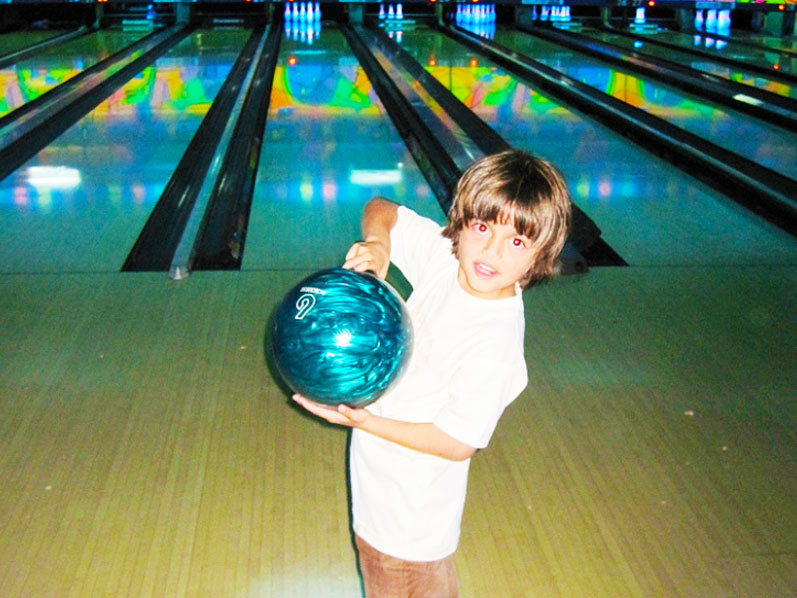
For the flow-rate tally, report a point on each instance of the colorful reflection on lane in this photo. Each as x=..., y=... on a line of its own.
x=34, y=76
x=766, y=144
x=329, y=147
x=80, y=203
x=676, y=220
x=166, y=99
x=318, y=90
x=699, y=64
x=527, y=118
x=769, y=59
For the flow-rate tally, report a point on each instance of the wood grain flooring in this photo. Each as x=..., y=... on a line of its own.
x=147, y=450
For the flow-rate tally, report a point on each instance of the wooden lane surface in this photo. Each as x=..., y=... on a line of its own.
x=146, y=450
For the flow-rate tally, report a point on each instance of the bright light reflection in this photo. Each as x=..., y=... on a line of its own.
x=329, y=190
x=21, y=198
x=604, y=189
x=139, y=193
x=740, y=97
x=306, y=191
x=45, y=200
x=367, y=178
x=343, y=338
x=53, y=177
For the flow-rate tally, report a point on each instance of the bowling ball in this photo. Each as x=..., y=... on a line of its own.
x=341, y=336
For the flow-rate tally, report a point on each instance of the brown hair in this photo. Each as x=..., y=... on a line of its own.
x=518, y=188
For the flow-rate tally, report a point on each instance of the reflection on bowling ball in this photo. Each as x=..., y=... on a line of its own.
x=341, y=337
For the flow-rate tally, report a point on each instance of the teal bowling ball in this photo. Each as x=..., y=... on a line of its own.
x=341, y=336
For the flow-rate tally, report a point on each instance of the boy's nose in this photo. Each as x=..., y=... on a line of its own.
x=491, y=246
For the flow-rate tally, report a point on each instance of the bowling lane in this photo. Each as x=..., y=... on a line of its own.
x=79, y=205
x=650, y=212
x=329, y=146
x=14, y=41
x=701, y=63
x=774, y=42
x=766, y=144
x=37, y=74
x=726, y=46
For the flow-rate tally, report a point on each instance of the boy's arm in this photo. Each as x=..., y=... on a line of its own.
x=373, y=252
x=423, y=437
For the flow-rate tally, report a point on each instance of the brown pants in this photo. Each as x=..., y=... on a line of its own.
x=388, y=577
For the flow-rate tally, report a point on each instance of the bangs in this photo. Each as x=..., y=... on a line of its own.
x=493, y=207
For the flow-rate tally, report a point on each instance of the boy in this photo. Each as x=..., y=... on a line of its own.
x=411, y=449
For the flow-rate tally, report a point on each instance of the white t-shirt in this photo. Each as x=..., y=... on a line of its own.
x=466, y=366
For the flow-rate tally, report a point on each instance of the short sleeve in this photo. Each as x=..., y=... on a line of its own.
x=483, y=386
x=416, y=242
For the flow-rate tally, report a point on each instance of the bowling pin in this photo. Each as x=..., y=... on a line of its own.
x=724, y=22
x=399, y=11
x=287, y=11
x=639, y=19
x=310, y=12
x=711, y=20
x=391, y=12
x=699, y=18
x=317, y=12
x=302, y=11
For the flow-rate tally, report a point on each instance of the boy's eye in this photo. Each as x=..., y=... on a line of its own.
x=480, y=227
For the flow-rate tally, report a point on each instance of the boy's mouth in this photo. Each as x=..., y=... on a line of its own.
x=483, y=270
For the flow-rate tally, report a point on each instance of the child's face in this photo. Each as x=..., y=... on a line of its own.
x=492, y=258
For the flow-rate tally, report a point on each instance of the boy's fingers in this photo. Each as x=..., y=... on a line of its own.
x=354, y=250
x=333, y=415
x=358, y=264
x=357, y=255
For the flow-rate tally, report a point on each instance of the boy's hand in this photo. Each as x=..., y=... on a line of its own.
x=423, y=437
x=368, y=255
x=340, y=415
